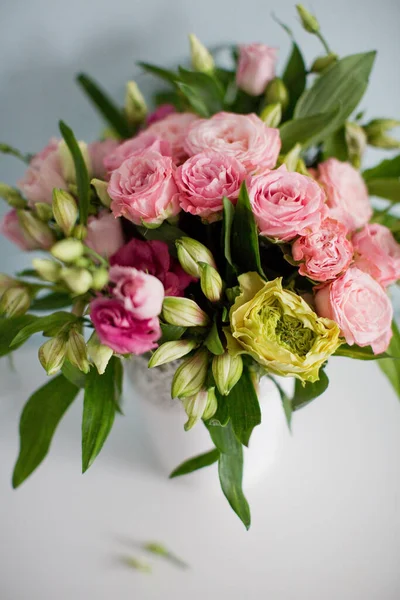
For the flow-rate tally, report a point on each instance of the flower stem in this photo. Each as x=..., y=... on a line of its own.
x=323, y=42
x=97, y=256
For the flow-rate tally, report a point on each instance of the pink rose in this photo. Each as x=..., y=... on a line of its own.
x=153, y=258
x=160, y=113
x=326, y=252
x=141, y=293
x=377, y=253
x=360, y=307
x=347, y=194
x=143, y=141
x=256, y=67
x=143, y=189
x=98, y=151
x=104, y=234
x=286, y=204
x=43, y=175
x=173, y=129
x=205, y=179
x=12, y=230
x=244, y=137
x=119, y=329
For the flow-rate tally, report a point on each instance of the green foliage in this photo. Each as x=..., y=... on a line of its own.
x=9, y=329
x=53, y=300
x=391, y=366
x=49, y=325
x=243, y=408
x=196, y=463
x=307, y=130
x=305, y=393
x=359, y=353
x=294, y=77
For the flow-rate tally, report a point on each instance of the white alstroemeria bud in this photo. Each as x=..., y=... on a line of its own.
x=12, y=196
x=49, y=270
x=277, y=93
x=15, y=301
x=76, y=351
x=292, y=158
x=227, y=371
x=210, y=282
x=52, y=354
x=202, y=405
x=135, y=104
x=201, y=58
x=65, y=210
x=184, y=312
x=43, y=211
x=190, y=376
x=67, y=162
x=100, y=278
x=78, y=280
x=98, y=353
x=6, y=282
x=79, y=232
x=308, y=20
x=356, y=140
x=35, y=228
x=101, y=191
x=68, y=250
x=272, y=114
x=190, y=253
x=170, y=351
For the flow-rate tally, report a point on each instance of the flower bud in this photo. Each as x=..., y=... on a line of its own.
x=356, y=141
x=184, y=312
x=65, y=210
x=35, y=228
x=15, y=301
x=79, y=232
x=227, y=371
x=68, y=250
x=272, y=114
x=52, y=354
x=12, y=196
x=376, y=131
x=308, y=20
x=292, y=158
x=78, y=280
x=135, y=104
x=98, y=353
x=6, y=282
x=190, y=253
x=100, y=278
x=202, y=405
x=83, y=261
x=323, y=62
x=170, y=351
x=43, y=211
x=201, y=58
x=276, y=92
x=49, y=270
x=67, y=162
x=210, y=282
x=190, y=376
x=101, y=191
x=76, y=351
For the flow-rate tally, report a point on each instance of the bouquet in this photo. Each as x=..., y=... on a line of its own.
x=230, y=230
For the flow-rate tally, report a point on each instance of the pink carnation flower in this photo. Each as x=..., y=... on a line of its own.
x=377, y=253
x=173, y=129
x=133, y=146
x=141, y=293
x=43, y=175
x=104, y=234
x=256, y=68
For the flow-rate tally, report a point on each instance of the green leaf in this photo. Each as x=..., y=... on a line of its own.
x=307, y=130
x=229, y=212
x=99, y=407
x=294, y=77
x=335, y=145
x=206, y=87
x=195, y=101
x=244, y=240
x=213, y=341
x=286, y=403
x=9, y=328
x=170, y=333
x=244, y=408
x=196, y=463
x=359, y=353
x=385, y=170
x=39, y=420
x=82, y=175
x=50, y=325
x=52, y=301
x=304, y=394
x=106, y=107
x=342, y=84
x=390, y=366
x=230, y=469
x=73, y=374
x=221, y=416
x=385, y=188
x=165, y=233
x=165, y=74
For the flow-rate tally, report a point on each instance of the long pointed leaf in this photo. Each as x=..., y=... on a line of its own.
x=244, y=241
x=196, y=463
x=391, y=366
x=244, y=408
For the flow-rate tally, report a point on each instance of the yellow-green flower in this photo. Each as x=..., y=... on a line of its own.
x=279, y=329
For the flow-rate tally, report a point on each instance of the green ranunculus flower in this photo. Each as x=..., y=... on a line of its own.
x=279, y=329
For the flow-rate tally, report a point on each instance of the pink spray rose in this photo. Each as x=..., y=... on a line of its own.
x=204, y=179
x=153, y=258
x=160, y=113
x=141, y=293
x=256, y=67
x=173, y=129
x=133, y=146
x=104, y=234
x=98, y=152
x=377, y=253
x=143, y=189
x=12, y=230
x=244, y=137
x=286, y=204
x=361, y=308
x=43, y=175
x=326, y=252
x=347, y=194
x=119, y=329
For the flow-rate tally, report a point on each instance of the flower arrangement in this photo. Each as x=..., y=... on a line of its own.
x=230, y=229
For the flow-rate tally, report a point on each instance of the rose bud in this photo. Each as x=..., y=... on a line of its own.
x=256, y=67
x=308, y=20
